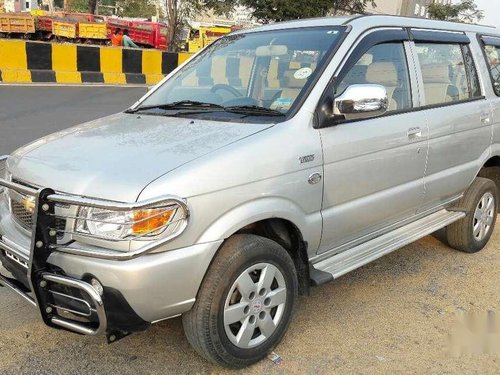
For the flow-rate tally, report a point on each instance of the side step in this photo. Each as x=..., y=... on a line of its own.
x=358, y=256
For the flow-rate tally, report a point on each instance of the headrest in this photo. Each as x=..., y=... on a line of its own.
x=436, y=73
x=291, y=82
x=383, y=73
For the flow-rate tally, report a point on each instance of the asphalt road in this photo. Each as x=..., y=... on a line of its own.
x=393, y=316
x=29, y=112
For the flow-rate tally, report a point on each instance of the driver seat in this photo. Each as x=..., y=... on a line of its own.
x=290, y=91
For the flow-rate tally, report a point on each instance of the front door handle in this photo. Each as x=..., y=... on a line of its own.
x=414, y=133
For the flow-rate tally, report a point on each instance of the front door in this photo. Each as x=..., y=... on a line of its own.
x=374, y=168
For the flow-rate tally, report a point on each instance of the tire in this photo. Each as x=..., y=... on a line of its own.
x=208, y=324
x=464, y=234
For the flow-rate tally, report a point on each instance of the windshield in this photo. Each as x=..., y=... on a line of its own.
x=253, y=74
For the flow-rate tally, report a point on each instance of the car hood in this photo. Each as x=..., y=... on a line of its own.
x=116, y=157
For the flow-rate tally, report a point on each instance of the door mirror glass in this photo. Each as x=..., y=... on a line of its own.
x=361, y=102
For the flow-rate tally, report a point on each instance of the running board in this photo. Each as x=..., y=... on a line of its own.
x=349, y=260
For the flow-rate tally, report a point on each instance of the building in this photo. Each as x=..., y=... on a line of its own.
x=409, y=8
x=241, y=16
x=20, y=5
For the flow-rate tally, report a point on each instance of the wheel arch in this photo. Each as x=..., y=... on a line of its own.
x=277, y=219
x=491, y=170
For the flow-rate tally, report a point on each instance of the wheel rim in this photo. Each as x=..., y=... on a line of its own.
x=484, y=217
x=255, y=305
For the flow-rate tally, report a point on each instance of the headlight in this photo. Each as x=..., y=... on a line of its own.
x=140, y=224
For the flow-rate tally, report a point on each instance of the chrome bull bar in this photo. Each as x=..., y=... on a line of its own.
x=59, y=321
x=44, y=242
x=41, y=281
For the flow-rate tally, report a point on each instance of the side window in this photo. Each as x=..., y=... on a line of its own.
x=448, y=73
x=493, y=60
x=386, y=65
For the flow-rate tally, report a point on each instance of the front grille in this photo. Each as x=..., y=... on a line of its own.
x=21, y=214
x=24, y=217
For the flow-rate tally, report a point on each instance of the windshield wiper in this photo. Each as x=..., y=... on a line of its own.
x=253, y=110
x=181, y=104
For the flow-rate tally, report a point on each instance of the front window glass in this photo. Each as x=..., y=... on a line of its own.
x=267, y=71
x=385, y=65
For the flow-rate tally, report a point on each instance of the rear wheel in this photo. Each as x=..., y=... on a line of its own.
x=245, y=304
x=472, y=233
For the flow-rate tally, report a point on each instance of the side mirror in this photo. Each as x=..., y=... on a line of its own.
x=360, y=102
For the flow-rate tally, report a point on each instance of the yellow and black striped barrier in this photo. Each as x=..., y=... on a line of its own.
x=26, y=61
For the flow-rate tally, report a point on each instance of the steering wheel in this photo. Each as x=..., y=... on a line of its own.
x=223, y=86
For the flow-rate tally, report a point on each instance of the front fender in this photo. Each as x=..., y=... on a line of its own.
x=310, y=225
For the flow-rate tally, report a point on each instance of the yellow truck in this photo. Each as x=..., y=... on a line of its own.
x=200, y=37
x=17, y=23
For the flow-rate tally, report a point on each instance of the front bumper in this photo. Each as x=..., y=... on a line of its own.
x=139, y=288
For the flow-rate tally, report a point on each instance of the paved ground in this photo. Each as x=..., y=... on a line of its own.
x=390, y=317
x=28, y=112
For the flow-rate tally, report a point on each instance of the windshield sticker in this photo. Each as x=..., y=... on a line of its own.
x=282, y=103
x=302, y=73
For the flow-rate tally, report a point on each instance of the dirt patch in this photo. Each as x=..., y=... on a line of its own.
x=392, y=316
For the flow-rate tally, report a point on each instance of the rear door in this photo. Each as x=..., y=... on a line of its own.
x=457, y=112
x=491, y=49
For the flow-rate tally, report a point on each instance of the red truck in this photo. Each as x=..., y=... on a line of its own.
x=143, y=33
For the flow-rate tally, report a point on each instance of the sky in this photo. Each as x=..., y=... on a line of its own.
x=491, y=10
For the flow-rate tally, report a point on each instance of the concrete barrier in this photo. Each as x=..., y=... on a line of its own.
x=27, y=61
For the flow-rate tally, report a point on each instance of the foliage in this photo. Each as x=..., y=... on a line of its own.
x=137, y=8
x=81, y=6
x=464, y=11
x=283, y=10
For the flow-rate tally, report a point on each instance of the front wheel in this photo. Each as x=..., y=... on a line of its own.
x=472, y=233
x=245, y=304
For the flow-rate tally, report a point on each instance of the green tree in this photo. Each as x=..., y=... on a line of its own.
x=464, y=11
x=137, y=8
x=283, y=10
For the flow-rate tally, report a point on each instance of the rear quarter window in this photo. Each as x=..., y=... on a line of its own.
x=492, y=54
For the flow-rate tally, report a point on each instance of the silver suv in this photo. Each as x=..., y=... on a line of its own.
x=275, y=159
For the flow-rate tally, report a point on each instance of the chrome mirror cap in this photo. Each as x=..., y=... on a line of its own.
x=361, y=102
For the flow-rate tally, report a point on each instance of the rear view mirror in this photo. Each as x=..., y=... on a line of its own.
x=361, y=102
x=270, y=51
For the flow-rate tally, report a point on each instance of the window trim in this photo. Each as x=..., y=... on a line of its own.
x=474, y=66
x=449, y=104
x=483, y=41
x=438, y=37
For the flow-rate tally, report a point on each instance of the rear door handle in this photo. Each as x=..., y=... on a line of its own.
x=485, y=118
x=414, y=133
